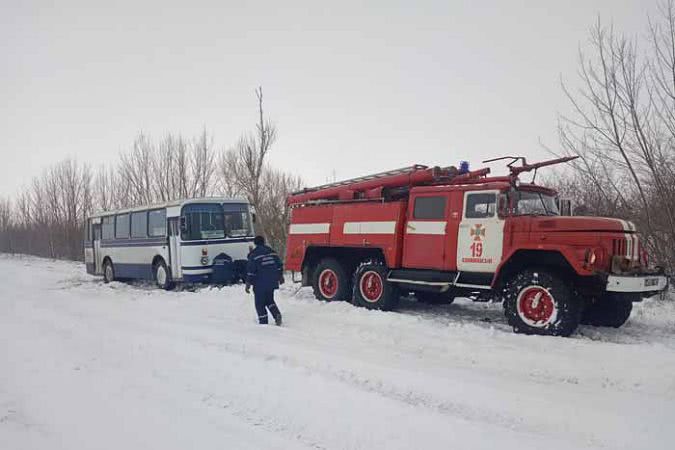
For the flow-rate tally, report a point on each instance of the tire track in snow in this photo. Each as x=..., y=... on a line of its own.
x=428, y=401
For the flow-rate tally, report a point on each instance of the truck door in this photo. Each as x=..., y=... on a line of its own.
x=480, y=238
x=425, y=232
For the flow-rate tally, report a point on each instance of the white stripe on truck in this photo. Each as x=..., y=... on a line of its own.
x=418, y=227
x=369, y=227
x=309, y=228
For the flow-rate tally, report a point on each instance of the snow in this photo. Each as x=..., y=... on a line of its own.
x=84, y=365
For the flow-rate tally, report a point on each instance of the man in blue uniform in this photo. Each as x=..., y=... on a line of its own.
x=265, y=273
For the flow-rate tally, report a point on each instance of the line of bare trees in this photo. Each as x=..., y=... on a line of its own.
x=622, y=125
x=47, y=217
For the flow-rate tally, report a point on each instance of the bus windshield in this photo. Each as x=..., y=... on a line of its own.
x=237, y=220
x=203, y=221
x=216, y=221
x=535, y=203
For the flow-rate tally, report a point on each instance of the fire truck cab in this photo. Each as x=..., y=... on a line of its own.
x=442, y=233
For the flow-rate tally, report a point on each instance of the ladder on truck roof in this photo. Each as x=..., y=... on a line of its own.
x=371, y=187
x=375, y=176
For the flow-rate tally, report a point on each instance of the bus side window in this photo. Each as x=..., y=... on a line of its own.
x=139, y=224
x=157, y=223
x=122, y=226
x=108, y=228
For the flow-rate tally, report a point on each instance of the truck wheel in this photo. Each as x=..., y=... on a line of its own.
x=435, y=298
x=162, y=275
x=610, y=310
x=539, y=302
x=331, y=281
x=372, y=290
x=108, y=271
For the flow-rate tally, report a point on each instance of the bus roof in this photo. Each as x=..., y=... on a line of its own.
x=179, y=203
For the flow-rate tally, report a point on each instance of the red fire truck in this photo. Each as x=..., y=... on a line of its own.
x=443, y=232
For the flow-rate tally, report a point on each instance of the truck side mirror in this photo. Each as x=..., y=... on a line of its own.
x=565, y=206
x=183, y=224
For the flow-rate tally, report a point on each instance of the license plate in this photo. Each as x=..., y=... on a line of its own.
x=649, y=282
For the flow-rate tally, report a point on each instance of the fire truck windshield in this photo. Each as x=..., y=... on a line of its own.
x=535, y=203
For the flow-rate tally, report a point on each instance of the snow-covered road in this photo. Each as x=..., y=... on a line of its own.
x=85, y=365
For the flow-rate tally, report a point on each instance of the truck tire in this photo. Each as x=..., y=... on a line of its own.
x=331, y=281
x=610, y=310
x=539, y=302
x=162, y=275
x=435, y=298
x=371, y=288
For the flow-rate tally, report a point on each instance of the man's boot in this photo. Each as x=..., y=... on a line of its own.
x=274, y=309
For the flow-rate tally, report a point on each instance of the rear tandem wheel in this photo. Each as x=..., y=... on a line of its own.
x=371, y=288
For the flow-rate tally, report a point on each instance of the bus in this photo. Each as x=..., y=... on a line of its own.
x=170, y=243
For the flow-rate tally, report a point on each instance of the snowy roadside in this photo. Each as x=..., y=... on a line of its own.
x=88, y=365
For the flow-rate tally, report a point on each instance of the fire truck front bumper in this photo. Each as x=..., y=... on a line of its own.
x=637, y=283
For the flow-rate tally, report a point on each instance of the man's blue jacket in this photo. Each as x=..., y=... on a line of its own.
x=264, y=269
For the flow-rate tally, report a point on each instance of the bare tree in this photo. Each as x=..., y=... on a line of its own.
x=245, y=163
x=623, y=127
x=273, y=209
x=136, y=172
x=228, y=184
x=166, y=187
x=244, y=171
x=49, y=216
x=6, y=223
x=203, y=165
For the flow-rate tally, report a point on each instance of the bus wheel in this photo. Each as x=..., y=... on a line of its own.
x=539, y=302
x=371, y=288
x=610, y=310
x=162, y=275
x=108, y=271
x=331, y=281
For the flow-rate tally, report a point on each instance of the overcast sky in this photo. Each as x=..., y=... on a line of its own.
x=353, y=87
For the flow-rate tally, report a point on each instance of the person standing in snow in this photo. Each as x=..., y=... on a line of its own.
x=264, y=272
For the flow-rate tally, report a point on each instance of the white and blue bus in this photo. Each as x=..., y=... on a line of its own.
x=171, y=243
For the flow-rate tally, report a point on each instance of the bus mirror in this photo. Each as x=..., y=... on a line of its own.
x=253, y=217
x=183, y=224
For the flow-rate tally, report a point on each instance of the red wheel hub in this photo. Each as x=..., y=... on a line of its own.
x=328, y=283
x=536, y=306
x=371, y=286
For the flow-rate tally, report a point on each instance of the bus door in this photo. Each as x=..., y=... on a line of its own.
x=96, y=236
x=174, y=248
